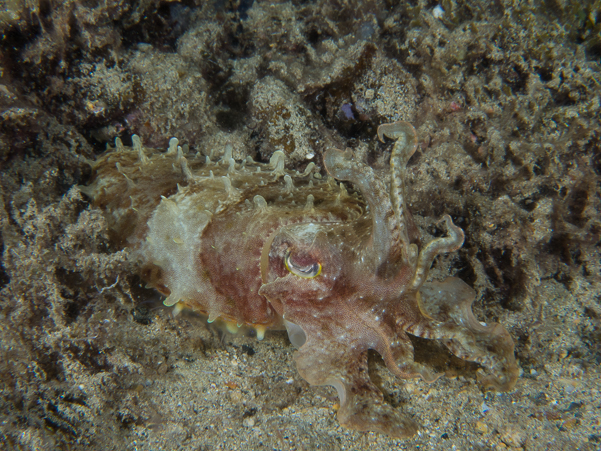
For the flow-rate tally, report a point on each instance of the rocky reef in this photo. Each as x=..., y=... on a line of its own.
x=505, y=98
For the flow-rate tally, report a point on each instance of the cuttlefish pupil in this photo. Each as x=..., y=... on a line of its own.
x=305, y=268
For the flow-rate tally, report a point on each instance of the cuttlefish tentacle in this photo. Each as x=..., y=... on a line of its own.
x=390, y=237
x=404, y=147
x=342, y=166
x=438, y=246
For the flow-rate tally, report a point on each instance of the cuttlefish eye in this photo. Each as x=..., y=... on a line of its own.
x=302, y=265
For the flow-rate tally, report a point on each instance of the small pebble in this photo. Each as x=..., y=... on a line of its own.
x=481, y=427
x=163, y=368
x=438, y=12
x=513, y=436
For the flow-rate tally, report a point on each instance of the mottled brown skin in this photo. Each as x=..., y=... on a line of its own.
x=343, y=272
